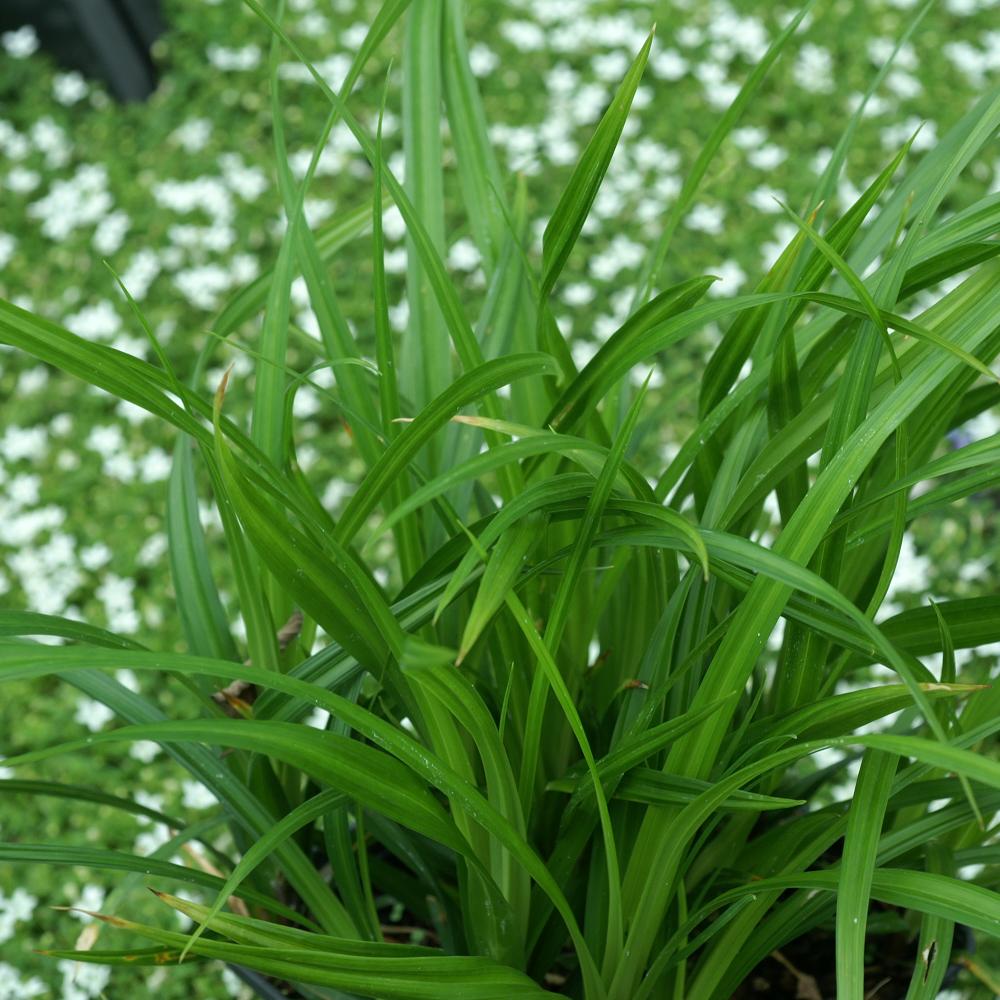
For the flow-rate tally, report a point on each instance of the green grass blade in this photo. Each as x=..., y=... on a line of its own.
x=571, y=212
x=864, y=827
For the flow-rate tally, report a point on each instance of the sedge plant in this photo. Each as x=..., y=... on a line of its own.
x=638, y=822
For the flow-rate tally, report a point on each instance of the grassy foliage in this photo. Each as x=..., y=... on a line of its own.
x=568, y=730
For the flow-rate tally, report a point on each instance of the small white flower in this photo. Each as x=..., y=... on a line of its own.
x=149, y=801
x=763, y=199
x=668, y=64
x=93, y=714
x=95, y=556
x=7, y=247
x=13, y=987
x=482, y=59
x=82, y=981
x=706, y=219
x=392, y=224
x=128, y=679
x=97, y=322
x=23, y=442
x=230, y=60
x=767, y=157
x=20, y=180
x=152, y=550
x=90, y=898
x=813, y=69
x=578, y=294
x=21, y=43
x=464, y=255
x=194, y=135
x=69, y=88
x=143, y=751
x=524, y=35
x=197, y=796
x=154, y=466
x=203, y=286
x=336, y=492
x=110, y=233
x=731, y=277
x=106, y=440
x=749, y=136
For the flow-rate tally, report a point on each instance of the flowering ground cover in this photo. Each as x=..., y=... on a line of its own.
x=179, y=195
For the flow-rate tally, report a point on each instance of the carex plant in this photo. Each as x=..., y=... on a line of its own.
x=644, y=823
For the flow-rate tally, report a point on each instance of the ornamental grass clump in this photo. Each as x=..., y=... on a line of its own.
x=567, y=741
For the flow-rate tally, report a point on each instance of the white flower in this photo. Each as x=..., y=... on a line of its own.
x=7, y=247
x=668, y=64
x=80, y=201
x=13, y=144
x=194, y=135
x=307, y=403
x=525, y=36
x=23, y=442
x=33, y=380
x=154, y=466
x=562, y=80
x=813, y=69
x=578, y=294
x=141, y=273
x=332, y=70
x=20, y=180
x=392, y=223
x=91, y=898
x=337, y=490
x=904, y=85
x=969, y=60
x=93, y=714
x=95, y=556
x=767, y=157
x=482, y=59
x=106, y=441
x=228, y=60
x=97, y=322
x=128, y=679
x=399, y=314
x=395, y=261
x=763, y=199
x=706, y=219
x=149, y=801
x=152, y=550
x=143, y=750
x=115, y=593
x=582, y=352
x=316, y=210
x=50, y=139
x=464, y=255
x=588, y=103
x=749, y=136
x=203, y=286
x=197, y=796
x=21, y=43
x=247, y=182
x=23, y=491
x=206, y=194
x=13, y=987
x=610, y=66
x=83, y=981
x=772, y=250
x=731, y=277
x=69, y=88
x=110, y=233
